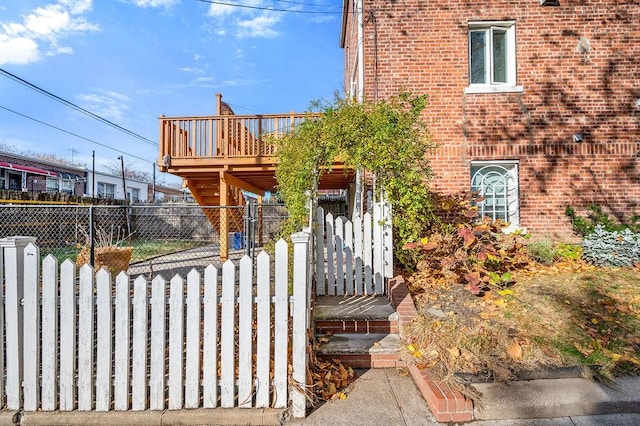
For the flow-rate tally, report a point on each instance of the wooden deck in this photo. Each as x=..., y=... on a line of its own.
x=237, y=145
x=221, y=155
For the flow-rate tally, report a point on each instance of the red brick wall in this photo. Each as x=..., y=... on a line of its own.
x=422, y=46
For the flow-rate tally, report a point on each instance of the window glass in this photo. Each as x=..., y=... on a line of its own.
x=478, y=44
x=106, y=190
x=66, y=186
x=497, y=185
x=492, y=57
x=499, y=55
x=52, y=185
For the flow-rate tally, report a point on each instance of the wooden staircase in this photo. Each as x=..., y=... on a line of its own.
x=361, y=331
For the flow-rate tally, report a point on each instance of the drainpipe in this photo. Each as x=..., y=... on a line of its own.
x=360, y=15
x=357, y=208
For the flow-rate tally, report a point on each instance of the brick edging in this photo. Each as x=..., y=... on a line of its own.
x=446, y=404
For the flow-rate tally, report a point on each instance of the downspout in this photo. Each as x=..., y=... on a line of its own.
x=360, y=97
x=360, y=51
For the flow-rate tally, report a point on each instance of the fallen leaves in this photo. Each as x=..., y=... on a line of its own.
x=515, y=351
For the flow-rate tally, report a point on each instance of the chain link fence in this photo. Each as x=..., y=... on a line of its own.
x=146, y=239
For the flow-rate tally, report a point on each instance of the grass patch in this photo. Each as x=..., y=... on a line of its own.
x=565, y=314
x=146, y=249
x=142, y=249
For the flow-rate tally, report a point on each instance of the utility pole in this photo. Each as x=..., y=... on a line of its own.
x=93, y=175
x=124, y=183
x=153, y=192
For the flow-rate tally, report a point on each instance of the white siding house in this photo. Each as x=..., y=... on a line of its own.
x=109, y=186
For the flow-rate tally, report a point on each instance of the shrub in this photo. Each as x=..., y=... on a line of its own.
x=611, y=248
x=595, y=216
x=569, y=251
x=544, y=252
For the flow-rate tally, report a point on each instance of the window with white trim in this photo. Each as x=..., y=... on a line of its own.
x=492, y=57
x=106, y=190
x=497, y=186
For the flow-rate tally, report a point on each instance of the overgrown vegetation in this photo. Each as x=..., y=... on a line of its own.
x=492, y=305
x=462, y=249
x=386, y=138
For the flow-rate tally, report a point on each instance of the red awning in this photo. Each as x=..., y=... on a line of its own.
x=28, y=169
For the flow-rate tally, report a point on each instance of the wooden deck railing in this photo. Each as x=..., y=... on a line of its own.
x=224, y=136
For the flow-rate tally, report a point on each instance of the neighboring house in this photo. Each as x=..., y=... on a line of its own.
x=110, y=186
x=535, y=104
x=168, y=194
x=28, y=174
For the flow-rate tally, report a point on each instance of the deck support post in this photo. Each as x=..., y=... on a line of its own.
x=224, y=219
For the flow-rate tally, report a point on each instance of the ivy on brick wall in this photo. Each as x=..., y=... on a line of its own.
x=387, y=138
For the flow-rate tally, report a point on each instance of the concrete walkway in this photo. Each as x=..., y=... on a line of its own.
x=390, y=397
x=377, y=397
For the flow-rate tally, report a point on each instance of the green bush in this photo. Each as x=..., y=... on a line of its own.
x=569, y=251
x=544, y=251
x=595, y=216
x=611, y=248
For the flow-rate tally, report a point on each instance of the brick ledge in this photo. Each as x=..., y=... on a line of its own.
x=447, y=405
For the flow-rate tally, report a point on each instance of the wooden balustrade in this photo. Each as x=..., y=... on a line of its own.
x=226, y=137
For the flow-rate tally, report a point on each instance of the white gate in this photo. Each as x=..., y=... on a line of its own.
x=353, y=258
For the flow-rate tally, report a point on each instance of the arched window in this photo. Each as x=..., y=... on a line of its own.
x=497, y=183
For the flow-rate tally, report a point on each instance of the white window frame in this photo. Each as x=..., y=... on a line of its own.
x=480, y=170
x=102, y=190
x=490, y=86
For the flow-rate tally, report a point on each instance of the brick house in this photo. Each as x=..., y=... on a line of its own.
x=534, y=103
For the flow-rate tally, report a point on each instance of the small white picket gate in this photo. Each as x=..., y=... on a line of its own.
x=96, y=344
x=353, y=258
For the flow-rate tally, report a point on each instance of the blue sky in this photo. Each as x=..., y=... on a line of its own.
x=130, y=61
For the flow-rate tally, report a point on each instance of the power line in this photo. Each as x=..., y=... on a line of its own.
x=272, y=9
x=76, y=107
x=74, y=134
x=307, y=4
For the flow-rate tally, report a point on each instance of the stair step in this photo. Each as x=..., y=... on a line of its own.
x=337, y=326
x=358, y=350
x=372, y=308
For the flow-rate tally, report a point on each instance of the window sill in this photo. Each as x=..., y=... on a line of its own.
x=493, y=89
x=514, y=228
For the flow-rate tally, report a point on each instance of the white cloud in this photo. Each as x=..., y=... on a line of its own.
x=107, y=104
x=19, y=50
x=42, y=30
x=245, y=22
x=155, y=3
x=260, y=26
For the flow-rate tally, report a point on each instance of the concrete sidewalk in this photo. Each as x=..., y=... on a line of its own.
x=390, y=397
x=377, y=397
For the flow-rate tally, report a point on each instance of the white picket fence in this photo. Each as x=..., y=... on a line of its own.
x=90, y=343
x=353, y=258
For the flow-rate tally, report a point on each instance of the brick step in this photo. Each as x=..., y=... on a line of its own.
x=360, y=350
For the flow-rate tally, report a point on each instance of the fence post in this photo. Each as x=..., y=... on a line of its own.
x=13, y=250
x=299, y=341
x=92, y=246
